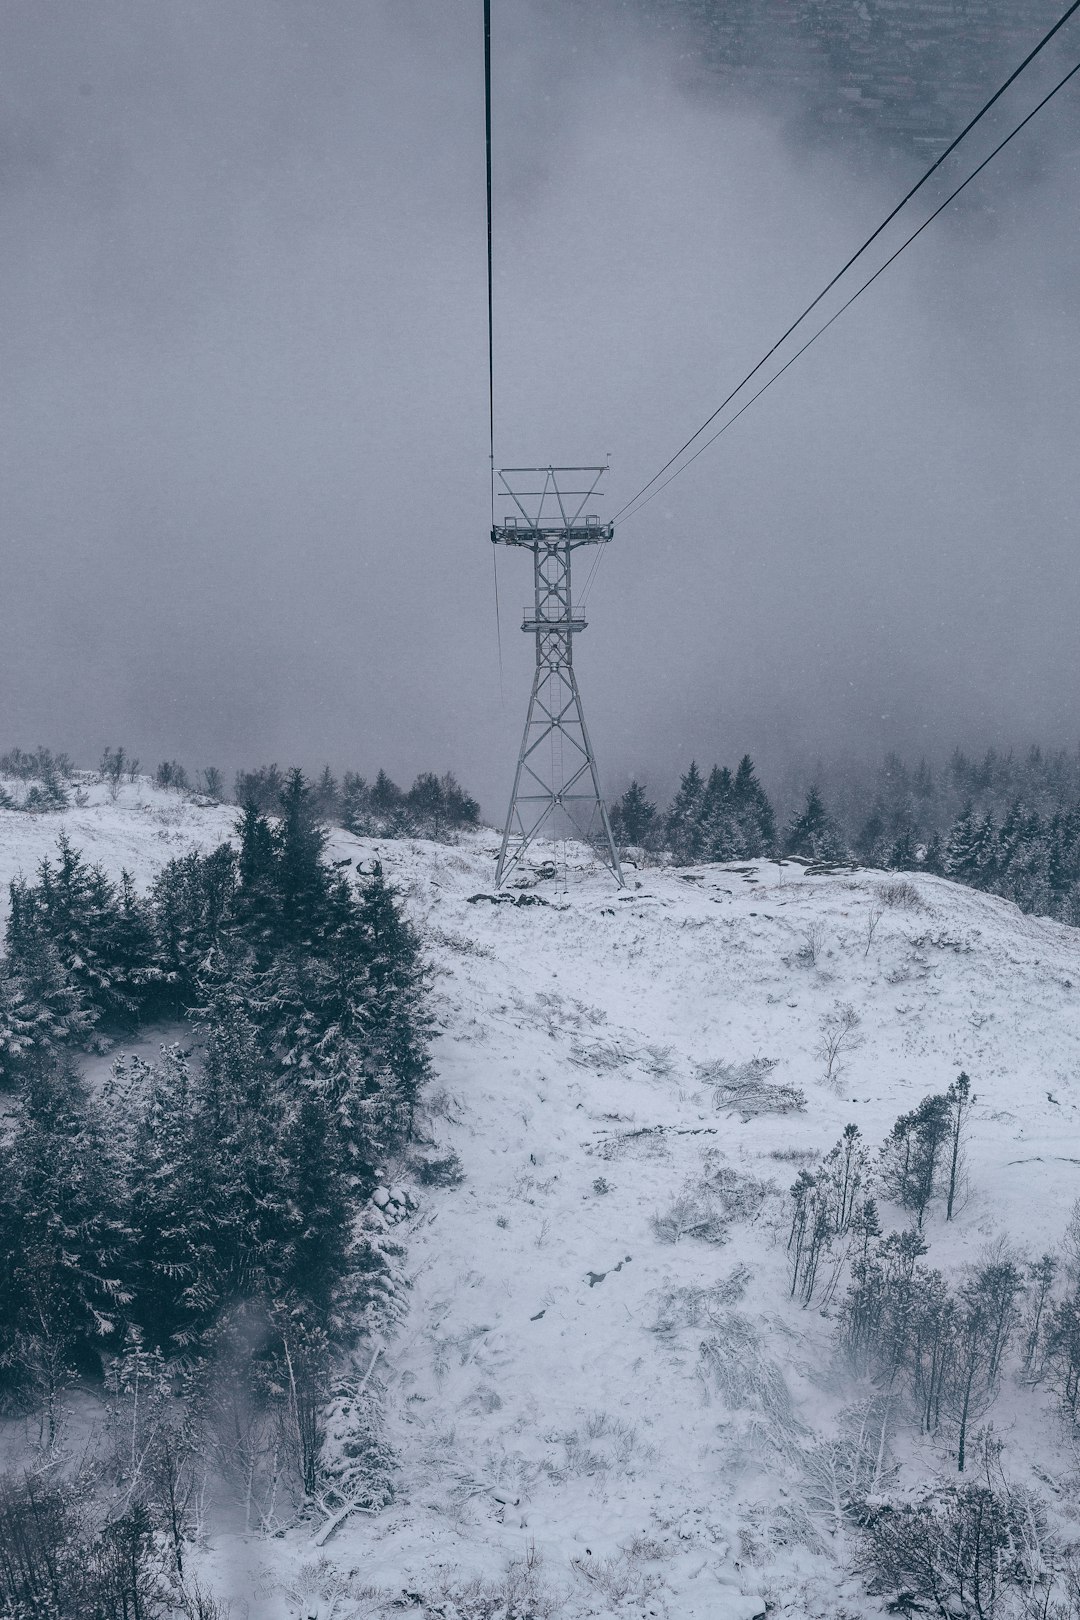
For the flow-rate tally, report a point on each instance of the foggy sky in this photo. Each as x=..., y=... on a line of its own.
x=244, y=487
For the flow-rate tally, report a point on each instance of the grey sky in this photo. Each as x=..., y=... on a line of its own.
x=243, y=490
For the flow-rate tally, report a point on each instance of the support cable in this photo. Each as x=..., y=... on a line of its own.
x=491, y=324
x=968, y=127
x=847, y=305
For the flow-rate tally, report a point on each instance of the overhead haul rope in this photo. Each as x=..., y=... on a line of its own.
x=856, y=294
x=491, y=326
x=968, y=127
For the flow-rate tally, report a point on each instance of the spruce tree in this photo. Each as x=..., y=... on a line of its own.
x=964, y=847
x=356, y=811
x=48, y=1010
x=301, y=878
x=633, y=818
x=684, y=819
x=192, y=910
x=813, y=834
x=396, y=1024
x=427, y=805
x=754, y=817
x=387, y=801
x=719, y=838
x=71, y=1243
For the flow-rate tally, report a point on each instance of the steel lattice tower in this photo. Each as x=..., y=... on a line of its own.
x=556, y=768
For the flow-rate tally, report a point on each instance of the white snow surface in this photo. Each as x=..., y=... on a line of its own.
x=552, y=1398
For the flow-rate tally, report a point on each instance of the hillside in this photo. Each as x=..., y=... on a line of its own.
x=602, y=1391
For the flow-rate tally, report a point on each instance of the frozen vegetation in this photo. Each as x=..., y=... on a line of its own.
x=734, y=1214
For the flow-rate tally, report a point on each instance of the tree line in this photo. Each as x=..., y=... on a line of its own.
x=1026, y=849
x=433, y=807
x=187, y=1242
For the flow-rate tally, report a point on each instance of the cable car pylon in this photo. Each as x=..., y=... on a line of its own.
x=556, y=777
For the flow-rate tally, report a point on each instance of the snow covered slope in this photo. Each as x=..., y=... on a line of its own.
x=602, y=1394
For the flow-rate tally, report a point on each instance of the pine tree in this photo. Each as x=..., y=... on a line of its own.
x=934, y=856
x=67, y=1293
x=719, y=833
x=132, y=950
x=325, y=796
x=461, y=809
x=192, y=911
x=302, y=879
x=633, y=818
x=387, y=800
x=964, y=849
x=356, y=811
x=753, y=814
x=46, y=1010
x=257, y=905
x=318, y=1202
x=871, y=844
x=172, y=1247
x=813, y=834
x=394, y=1017
x=903, y=856
x=77, y=906
x=427, y=805
x=683, y=819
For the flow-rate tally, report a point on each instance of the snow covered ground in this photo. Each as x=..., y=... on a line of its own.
x=602, y=1398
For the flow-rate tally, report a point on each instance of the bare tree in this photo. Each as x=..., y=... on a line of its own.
x=839, y=1035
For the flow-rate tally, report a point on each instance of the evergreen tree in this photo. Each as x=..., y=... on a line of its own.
x=46, y=1010
x=934, y=857
x=386, y=798
x=319, y=1205
x=684, y=819
x=965, y=850
x=77, y=906
x=395, y=1021
x=131, y=950
x=64, y=1294
x=461, y=809
x=903, y=856
x=813, y=834
x=427, y=805
x=633, y=818
x=325, y=797
x=257, y=908
x=871, y=843
x=356, y=810
x=302, y=879
x=172, y=1244
x=718, y=830
x=756, y=824
x=192, y=914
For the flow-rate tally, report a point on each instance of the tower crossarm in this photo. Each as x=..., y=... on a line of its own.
x=513, y=533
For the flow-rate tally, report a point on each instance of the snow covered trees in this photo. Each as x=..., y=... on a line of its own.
x=813, y=834
x=723, y=817
x=633, y=818
x=207, y=1204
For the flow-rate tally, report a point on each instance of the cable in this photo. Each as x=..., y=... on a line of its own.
x=491, y=326
x=983, y=110
x=490, y=277
x=857, y=294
